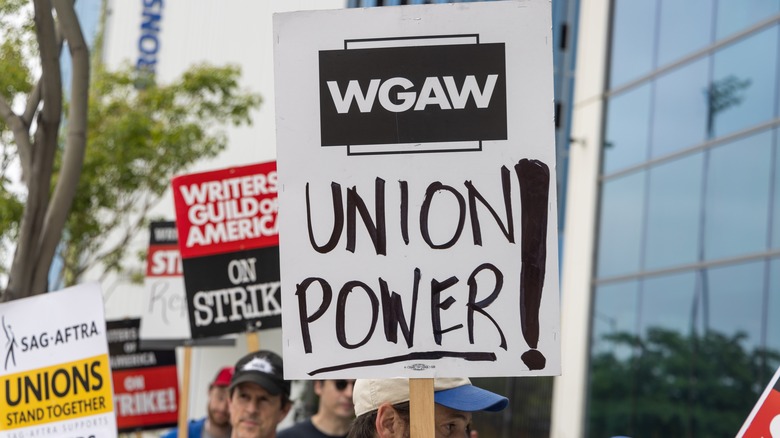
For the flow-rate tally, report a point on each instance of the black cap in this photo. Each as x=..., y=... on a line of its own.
x=262, y=368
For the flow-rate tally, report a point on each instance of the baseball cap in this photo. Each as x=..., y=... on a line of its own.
x=223, y=377
x=262, y=368
x=455, y=393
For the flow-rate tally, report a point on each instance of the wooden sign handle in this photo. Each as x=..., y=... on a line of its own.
x=421, y=408
x=252, y=341
x=184, y=393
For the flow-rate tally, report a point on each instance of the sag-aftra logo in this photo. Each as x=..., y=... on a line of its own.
x=20, y=343
x=413, y=90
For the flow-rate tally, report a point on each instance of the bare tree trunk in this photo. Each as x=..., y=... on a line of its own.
x=44, y=216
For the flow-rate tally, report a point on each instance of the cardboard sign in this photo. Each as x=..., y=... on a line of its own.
x=164, y=314
x=764, y=419
x=229, y=243
x=146, y=387
x=417, y=166
x=56, y=380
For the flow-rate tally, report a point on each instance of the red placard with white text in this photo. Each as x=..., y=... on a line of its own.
x=764, y=420
x=226, y=210
x=229, y=243
x=146, y=391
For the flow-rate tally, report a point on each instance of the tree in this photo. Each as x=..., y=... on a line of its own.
x=125, y=137
x=35, y=131
x=138, y=138
x=676, y=384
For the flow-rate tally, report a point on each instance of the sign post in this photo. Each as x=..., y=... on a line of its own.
x=185, y=393
x=416, y=162
x=421, y=407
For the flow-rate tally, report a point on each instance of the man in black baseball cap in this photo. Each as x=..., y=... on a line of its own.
x=259, y=395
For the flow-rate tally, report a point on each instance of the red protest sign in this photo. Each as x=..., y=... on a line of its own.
x=229, y=243
x=226, y=210
x=764, y=420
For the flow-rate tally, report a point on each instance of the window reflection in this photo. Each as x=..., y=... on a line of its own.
x=620, y=227
x=632, y=40
x=734, y=16
x=668, y=303
x=614, y=314
x=773, y=311
x=667, y=389
x=731, y=301
x=776, y=197
x=627, y=131
x=743, y=89
x=673, y=213
x=680, y=109
x=737, y=203
x=684, y=27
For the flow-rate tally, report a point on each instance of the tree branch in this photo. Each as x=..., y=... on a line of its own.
x=44, y=145
x=75, y=145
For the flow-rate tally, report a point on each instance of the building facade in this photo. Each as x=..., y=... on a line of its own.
x=671, y=276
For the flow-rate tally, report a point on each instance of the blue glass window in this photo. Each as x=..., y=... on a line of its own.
x=737, y=201
x=632, y=40
x=680, y=109
x=734, y=16
x=668, y=303
x=743, y=89
x=776, y=199
x=773, y=310
x=627, y=130
x=620, y=228
x=673, y=213
x=614, y=313
x=731, y=301
x=684, y=27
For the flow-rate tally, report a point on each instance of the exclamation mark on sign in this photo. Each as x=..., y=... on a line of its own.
x=534, y=178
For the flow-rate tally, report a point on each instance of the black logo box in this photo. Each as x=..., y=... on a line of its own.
x=416, y=64
x=117, y=348
x=210, y=273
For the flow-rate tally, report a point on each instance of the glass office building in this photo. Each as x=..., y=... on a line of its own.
x=677, y=130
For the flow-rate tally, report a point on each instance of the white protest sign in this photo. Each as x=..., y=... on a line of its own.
x=416, y=166
x=164, y=313
x=56, y=378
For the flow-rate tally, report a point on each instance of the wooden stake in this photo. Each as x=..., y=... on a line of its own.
x=421, y=408
x=252, y=341
x=184, y=393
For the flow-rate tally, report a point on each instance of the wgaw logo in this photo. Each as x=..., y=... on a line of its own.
x=400, y=93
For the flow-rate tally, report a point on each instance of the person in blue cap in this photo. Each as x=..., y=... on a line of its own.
x=382, y=407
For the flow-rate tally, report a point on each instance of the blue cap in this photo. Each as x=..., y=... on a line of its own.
x=469, y=398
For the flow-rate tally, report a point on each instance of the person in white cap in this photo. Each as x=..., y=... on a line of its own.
x=382, y=407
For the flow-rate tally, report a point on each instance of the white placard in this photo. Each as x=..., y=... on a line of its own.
x=417, y=194
x=164, y=312
x=56, y=379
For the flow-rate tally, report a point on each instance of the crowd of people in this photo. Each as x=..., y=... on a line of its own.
x=250, y=400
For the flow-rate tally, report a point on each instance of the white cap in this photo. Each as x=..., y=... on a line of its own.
x=369, y=394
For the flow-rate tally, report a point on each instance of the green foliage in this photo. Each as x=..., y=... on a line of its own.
x=16, y=44
x=138, y=139
x=676, y=385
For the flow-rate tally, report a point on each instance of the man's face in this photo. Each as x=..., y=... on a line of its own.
x=448, y=423
x=451, y=423
x=218, y=412
x=255, y=413
x=336, y=398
